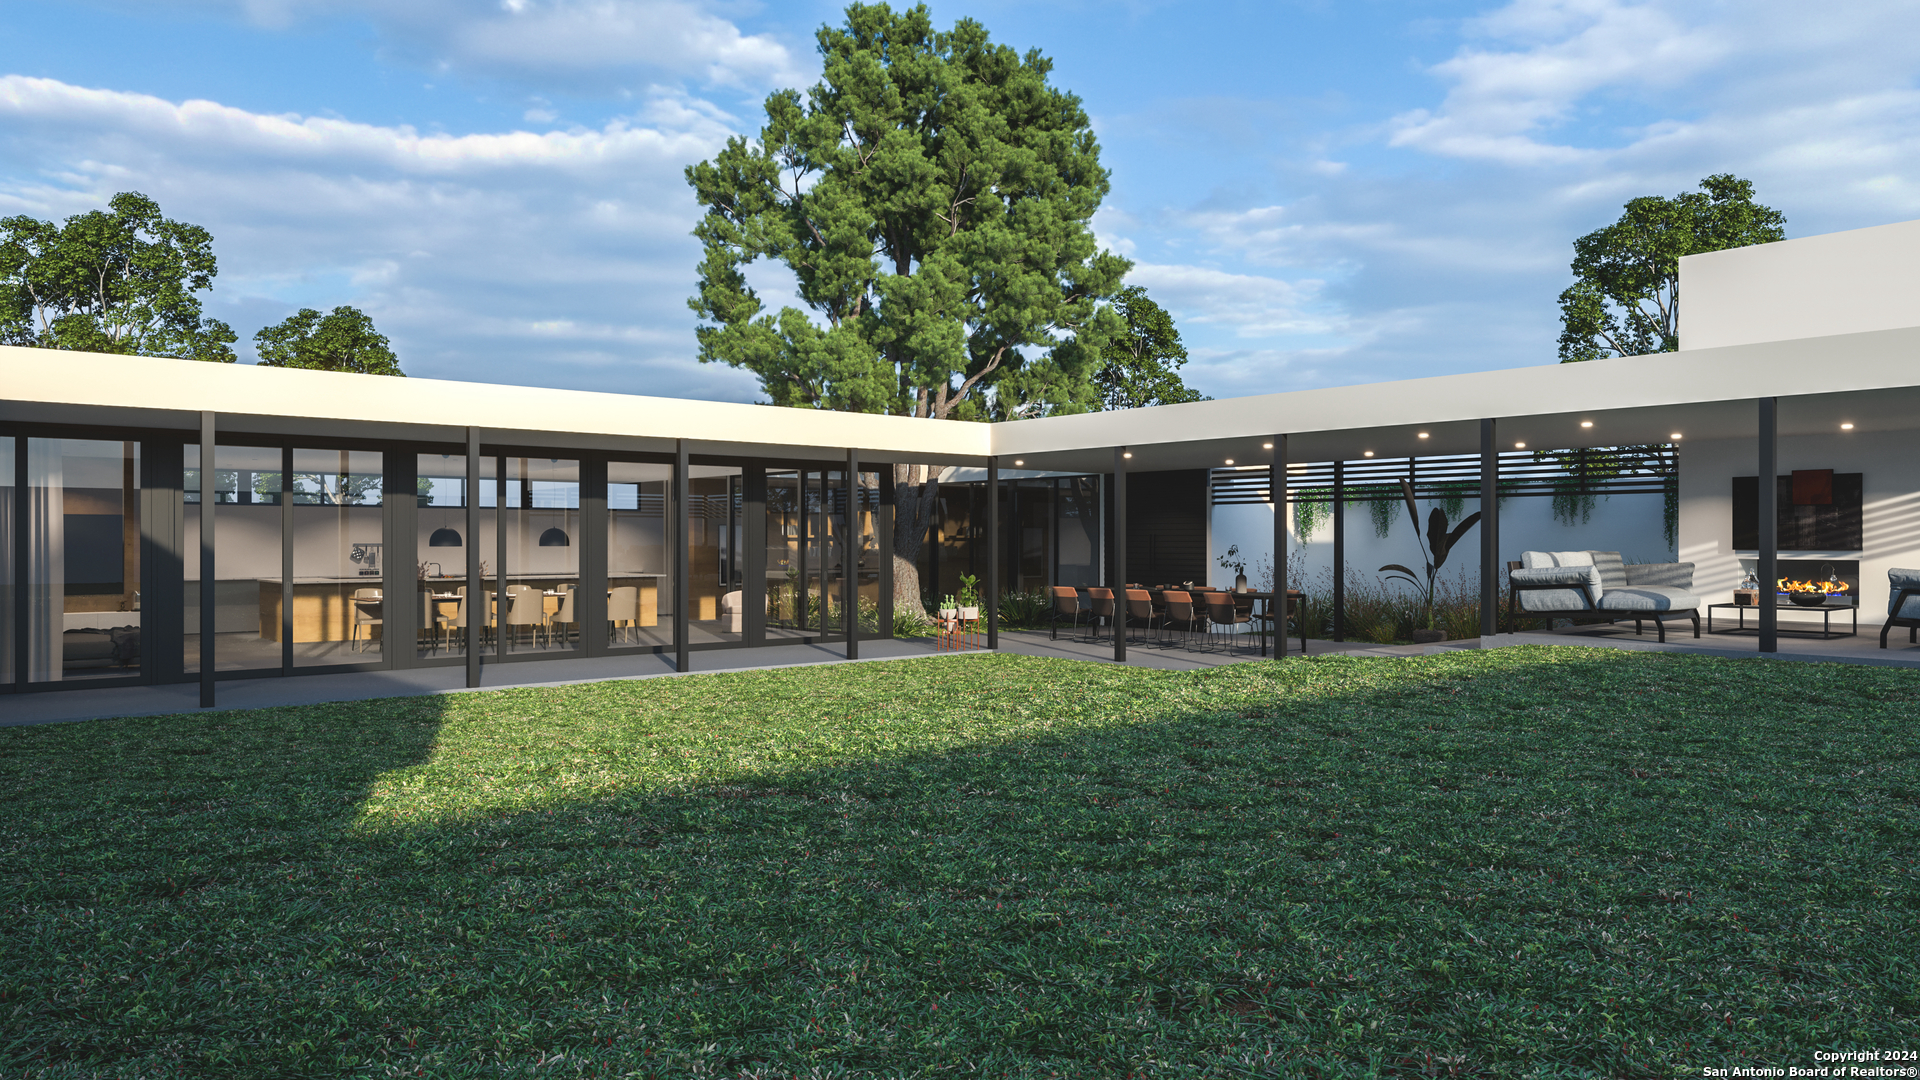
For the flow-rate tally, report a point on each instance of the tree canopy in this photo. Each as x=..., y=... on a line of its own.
x=1143, y=360
x=1625, y=299
x=341, y=340
x=932, y=196
x=121, y=280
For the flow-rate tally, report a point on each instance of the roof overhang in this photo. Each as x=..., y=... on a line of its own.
x=1871, y=380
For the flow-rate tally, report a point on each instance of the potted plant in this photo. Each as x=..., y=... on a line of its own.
x=949, y=608
x=969, y=597
x=1438, y=542
x=1232, y=561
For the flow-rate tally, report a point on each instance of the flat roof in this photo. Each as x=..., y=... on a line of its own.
x=1869, y=379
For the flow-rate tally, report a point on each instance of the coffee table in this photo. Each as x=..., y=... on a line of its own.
x=1825, y=632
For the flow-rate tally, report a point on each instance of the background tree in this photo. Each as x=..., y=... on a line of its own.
x=118, y=281
x=341, y=340
x=932, y=196
x=1143, y=360
x=1625, y=301
x=1625, y=297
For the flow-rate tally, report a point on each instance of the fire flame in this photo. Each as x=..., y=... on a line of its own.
x=1828, y=587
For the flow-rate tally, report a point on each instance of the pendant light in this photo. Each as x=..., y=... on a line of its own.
x=555, y=537
x=443, y=537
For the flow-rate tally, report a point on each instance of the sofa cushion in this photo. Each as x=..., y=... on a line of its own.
x=1649, y=598
x=1898, y=579
x=1667, y=575
x=1613, y=572
x=1541, y=600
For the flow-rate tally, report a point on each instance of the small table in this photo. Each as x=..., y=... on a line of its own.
x=1826, y=611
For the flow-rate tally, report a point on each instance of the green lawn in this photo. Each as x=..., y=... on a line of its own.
x=1523, y=862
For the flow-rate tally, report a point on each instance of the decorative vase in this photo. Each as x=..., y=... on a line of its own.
x=1239, y=583
x=969, y=614
x=944, y=613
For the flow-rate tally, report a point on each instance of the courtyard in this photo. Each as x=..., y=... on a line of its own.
x=1513, y=861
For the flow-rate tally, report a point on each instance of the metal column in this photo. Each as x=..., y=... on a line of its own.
x=993, y=552
x=1489, y=529
x=682, y=572
x=1339, y=551
x=1277, y=495
x=850, y=547
x=883, y=528
x=1119, y=570
x=1769, y=553
x=208, y=593
x=476, y=602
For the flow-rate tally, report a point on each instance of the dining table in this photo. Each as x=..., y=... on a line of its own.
x=1156, y=592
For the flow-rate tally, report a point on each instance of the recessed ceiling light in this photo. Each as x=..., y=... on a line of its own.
x=1586, y=423
x=1423, y=434
x=1675, y=436
x=1366, y=453
x=1229, y=461
x=1017, y=461
x=1266, y=446
x=1846, y=427
x=1127, y=454
x=1519, y=446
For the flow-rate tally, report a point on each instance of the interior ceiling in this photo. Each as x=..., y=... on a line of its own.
x=1867, y=410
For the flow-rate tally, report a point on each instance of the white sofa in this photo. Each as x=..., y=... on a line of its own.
x=1592, y=586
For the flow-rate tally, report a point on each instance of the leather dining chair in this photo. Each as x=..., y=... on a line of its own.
x=1099, y=606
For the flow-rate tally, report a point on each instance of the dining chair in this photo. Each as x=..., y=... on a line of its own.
x=1140, y=609
x=1224, y=618
x=366, y=613
x=623, y=609
x=1066, y=605
x=1181, y=613
x=527, y=607
x=431, y=620
x=1099, y=606
x=564, y=619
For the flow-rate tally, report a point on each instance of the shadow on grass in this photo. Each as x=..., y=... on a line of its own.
x=1557, y=861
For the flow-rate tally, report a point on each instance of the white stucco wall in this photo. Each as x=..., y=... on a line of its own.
x=1629, y=524
x=1838, y=283
x=1890, y=473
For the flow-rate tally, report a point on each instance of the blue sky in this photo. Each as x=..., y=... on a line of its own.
x=1321, y=192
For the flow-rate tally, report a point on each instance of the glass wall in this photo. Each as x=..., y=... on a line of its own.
x=1077, y=543
x=83, y=559
x=9, y=588
x=540, y=516
x=800, y=558
x=440, y=555
x=713, y=542
x=246, y=491
x=639, y=560
x=339, y=557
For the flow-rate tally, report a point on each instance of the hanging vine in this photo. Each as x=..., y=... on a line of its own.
x=1311, y=507
x=1384, y=503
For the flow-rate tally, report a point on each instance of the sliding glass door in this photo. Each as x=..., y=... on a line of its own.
x=82, y=574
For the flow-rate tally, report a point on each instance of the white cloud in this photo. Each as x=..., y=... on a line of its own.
x=564, y=40
x=557, y=258
x=1253, y=305
x=1503, y=100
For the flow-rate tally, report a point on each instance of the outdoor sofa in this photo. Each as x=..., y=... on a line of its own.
x=1596, y=586
x=1903, y=603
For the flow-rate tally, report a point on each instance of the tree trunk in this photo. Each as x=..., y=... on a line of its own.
x=916, y=489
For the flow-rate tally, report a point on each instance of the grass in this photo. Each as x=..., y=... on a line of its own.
x=1524, y=862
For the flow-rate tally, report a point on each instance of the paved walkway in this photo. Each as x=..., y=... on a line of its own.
x=66, y=705
x=59, y=705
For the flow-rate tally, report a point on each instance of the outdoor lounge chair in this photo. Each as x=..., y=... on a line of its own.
x=1903, y=603
x=1596, y=586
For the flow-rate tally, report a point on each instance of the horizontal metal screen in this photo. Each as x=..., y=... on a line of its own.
x=1636, y=470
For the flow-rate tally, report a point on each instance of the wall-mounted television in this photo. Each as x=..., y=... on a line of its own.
x=1834, y=525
